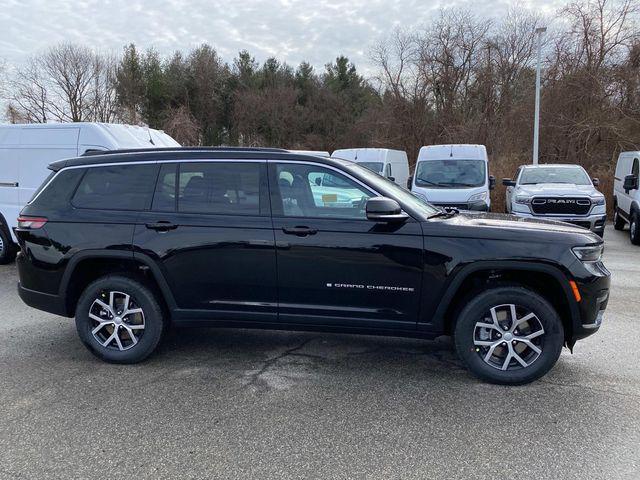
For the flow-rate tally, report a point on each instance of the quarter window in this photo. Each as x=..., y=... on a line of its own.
x=314, y=191
x=117, y=187
x=635, y=170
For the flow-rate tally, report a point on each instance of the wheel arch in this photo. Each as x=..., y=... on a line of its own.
x=545, y=279
x=87, y=266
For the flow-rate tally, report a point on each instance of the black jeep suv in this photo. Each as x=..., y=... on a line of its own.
x=131, y=242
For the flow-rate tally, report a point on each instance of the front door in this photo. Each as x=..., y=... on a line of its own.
x=209, y=229
x=335, y=267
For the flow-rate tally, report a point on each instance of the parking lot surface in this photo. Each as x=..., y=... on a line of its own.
x=263, y=404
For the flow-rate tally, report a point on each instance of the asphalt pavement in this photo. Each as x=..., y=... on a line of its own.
x=263, y=404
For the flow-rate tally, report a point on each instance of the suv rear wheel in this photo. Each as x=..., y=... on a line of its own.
x=119, y=319
x=634, y=228
x=509, y=335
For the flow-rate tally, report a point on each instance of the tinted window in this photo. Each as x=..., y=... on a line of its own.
x=59, y=190
x=219, y=187
x=164, y=199
x=373, y=166
x=635, y=170
x=119, y=187
x=314, y=191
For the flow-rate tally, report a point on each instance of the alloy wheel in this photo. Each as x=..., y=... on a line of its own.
x=117, y=320
x=509, y=337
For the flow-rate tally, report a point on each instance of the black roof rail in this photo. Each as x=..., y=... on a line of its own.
x=90, y=153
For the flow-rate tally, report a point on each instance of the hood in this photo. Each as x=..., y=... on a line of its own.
x=501, y=226
x=558, y=189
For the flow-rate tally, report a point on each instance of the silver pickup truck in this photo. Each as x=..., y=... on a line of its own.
x=557, y=192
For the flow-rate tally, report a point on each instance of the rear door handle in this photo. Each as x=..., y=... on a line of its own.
x=161, y=226
x=299, y=231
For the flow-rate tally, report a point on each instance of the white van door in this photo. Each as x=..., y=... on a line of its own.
x=9, y=177
x=624, y=198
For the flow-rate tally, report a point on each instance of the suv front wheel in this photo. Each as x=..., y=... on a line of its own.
x=119, y=319
x=509, y=335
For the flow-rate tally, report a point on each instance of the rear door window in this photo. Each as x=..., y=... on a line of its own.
x=225, y=188
x=117, y=187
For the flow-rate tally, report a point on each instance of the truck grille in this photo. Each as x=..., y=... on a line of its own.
x=561, y=205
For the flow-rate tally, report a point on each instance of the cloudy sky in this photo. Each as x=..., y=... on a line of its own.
x=291, y=30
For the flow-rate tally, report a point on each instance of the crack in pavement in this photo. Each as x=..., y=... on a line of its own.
x=268, y=363
x=588, y=387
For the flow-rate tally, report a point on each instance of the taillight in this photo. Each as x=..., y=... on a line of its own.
x=31, y=223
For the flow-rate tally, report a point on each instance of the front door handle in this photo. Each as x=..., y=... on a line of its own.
x=161, y=226
x=299, y=231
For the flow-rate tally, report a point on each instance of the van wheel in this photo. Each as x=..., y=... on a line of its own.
x=7, y=247
x=634, y=229
x=119, y=319
x=618, y=221
x=509, y=335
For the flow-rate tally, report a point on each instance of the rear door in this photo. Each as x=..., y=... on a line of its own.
x=209, y=229
x=335, y=267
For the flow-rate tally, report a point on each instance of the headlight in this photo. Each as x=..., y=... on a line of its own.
x=597, y=200
x=479, y=197
x=523, y=199
x=592, y=253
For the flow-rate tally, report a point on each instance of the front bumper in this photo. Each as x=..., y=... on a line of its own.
x=594, y=222
x=594, y=292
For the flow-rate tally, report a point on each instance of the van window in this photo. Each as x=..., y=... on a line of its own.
x=452, y=173
x=373, y=166
x=635, y=170
x=219, y=188
x=116, y=187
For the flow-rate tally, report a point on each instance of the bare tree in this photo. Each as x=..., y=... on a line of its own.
x=68, y=83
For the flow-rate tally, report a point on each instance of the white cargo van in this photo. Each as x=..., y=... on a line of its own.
x=626, y=195
x=389, y=163
x=26, y=150
x=454, y=176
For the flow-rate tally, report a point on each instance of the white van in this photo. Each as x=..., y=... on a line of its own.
x=389, y=163
x=27, y=150
x=626, y=195
x=454, y=176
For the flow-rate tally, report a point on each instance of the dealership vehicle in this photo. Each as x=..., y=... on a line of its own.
x=626, y=195
x=132, y=242
x=557, y=192
x=454, y=176
x=392, y=164
x=26, y=150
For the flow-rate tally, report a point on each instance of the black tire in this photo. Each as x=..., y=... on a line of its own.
x=477, y=309
x=634, y=228
x=618, y=221
x=8, y=249
x=141, y=297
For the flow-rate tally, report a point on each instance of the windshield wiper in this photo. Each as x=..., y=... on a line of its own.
x=428, y=182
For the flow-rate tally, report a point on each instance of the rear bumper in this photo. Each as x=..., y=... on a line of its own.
x=43, y=301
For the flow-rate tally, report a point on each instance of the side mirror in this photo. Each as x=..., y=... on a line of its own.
x=393, y=179
x=507, y=182
x=492, y=182
x=596, y=182
x=409, y=182
x=383, y=209
x=630, y=183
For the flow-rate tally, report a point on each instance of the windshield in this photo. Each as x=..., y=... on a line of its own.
x=452, y=173
x=572, y=175
x=399, y=193
x=373, y=166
